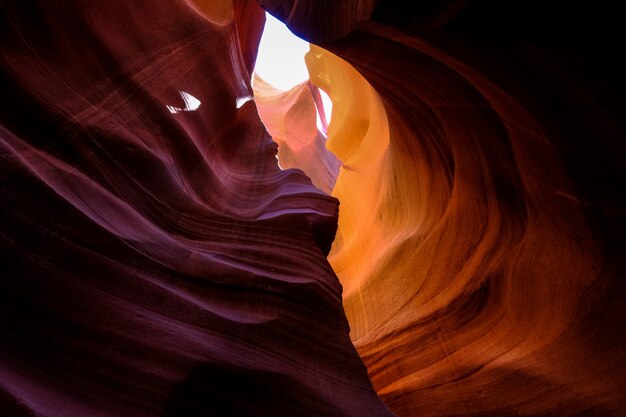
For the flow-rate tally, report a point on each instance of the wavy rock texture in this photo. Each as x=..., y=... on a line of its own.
x=155, y=259
x=289, y=117
x=480, y=239
x=317, y=21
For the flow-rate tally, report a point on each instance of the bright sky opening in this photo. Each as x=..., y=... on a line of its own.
x=322, y=125
x=280, y=60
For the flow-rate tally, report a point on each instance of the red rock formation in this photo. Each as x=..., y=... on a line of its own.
x=250, y=19
x=155, y=259
x=318, y=21
x=488, y=267
x=289, y=117
x=481, y=252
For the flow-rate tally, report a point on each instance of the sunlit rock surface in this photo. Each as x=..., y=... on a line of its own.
x=290, y=118
x=480, y=239
x=156, y=261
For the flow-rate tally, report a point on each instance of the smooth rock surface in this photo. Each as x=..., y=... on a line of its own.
x=155, y=259
x=480, y=244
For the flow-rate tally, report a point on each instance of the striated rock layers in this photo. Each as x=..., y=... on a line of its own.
x=155, y=260
x=481, y=225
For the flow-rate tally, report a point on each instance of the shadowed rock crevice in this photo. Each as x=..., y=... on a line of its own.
x=217, y=390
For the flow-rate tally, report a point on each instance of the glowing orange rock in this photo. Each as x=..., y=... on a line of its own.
x=479, y=238
x=358, y=135
x=445, y=298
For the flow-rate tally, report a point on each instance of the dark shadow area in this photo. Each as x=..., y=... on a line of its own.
x=10, y=406
x=215, y=390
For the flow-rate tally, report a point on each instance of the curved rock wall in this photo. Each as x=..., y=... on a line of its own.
x=486, y=274
x=155, y=260
x=290, y=118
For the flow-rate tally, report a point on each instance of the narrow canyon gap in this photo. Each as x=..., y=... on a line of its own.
x=156, y=260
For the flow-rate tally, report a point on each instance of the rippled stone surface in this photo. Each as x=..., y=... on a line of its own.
x=318, y=21
x=290, y=118
x=155, y=259
x=481, y=244
x=157, y=262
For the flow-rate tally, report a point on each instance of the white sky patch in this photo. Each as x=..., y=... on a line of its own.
x=319, y=124
x=191, y=103
x=327, y=105
x=242, y=100
x=278, y=162
x=280, y=60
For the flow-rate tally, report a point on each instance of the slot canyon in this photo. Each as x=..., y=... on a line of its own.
x=430, y=223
